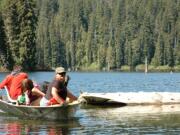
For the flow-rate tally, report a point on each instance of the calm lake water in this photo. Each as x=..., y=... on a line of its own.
x=106, y=120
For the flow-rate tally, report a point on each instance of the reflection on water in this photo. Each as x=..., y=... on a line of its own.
x=133, y=119
x=150, y=119
x=12, y=125
x=131, y=110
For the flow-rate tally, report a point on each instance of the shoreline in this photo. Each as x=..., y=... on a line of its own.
x=138, y=68
x=118, y=71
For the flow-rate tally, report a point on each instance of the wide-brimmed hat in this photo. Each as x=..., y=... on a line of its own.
x=60, y=70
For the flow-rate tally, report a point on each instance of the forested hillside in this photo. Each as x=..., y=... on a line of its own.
x=90, y=34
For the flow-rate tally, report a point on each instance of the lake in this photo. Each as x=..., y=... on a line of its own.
x=106, y=120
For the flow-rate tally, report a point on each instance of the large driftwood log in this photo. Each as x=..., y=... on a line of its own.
x=132, y=98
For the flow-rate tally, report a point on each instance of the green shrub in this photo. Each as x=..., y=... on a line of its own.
x=140, y=68
x=177, y=68
x=92, y=67
x=125, y=68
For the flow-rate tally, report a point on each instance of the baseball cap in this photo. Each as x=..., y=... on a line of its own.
x=60, y=70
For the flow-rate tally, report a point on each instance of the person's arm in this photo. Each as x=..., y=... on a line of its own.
x=4, y=82
x=55, y=95
x=71, y=96
x=27, y=100
x=36, y=91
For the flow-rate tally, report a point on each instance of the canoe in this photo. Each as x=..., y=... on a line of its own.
x=130, y=98
x=56, y=112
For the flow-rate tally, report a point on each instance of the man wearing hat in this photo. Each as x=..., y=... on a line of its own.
x=57, y=92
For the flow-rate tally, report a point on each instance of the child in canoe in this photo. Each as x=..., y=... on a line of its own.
x=31, y=95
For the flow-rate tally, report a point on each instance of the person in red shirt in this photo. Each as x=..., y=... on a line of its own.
x=8, y=79
x=15, y=89
x=13, y=82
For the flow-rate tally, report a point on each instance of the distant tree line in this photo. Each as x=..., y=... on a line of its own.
x=18, y=33
x=89, y=34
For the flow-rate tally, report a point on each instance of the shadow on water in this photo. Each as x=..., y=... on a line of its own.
x=16, y=125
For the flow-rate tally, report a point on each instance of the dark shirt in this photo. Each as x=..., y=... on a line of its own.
x=44, y=86
x=62, y=90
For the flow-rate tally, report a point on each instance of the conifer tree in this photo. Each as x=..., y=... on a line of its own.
x=12, y=28
x=27, y=36
x=5, y=56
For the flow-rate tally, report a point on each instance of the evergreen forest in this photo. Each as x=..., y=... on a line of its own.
x=90, y=35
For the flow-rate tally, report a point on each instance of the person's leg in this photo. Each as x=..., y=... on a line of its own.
x=36, y=102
